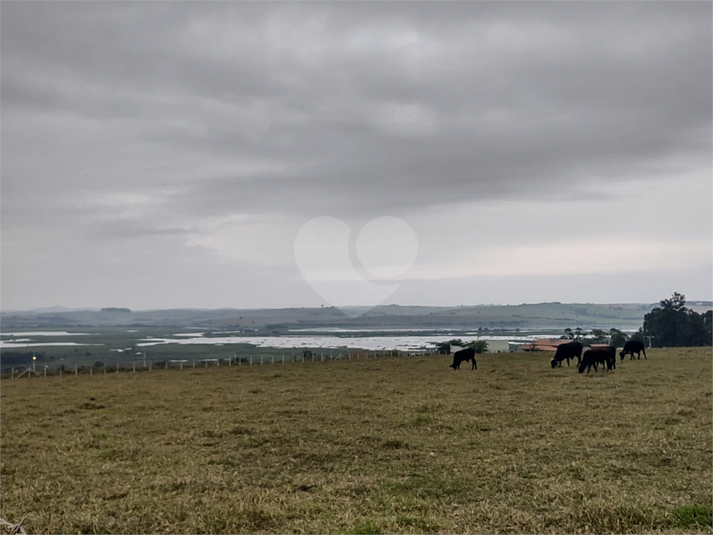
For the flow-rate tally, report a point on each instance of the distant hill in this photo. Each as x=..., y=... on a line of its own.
x=553, y=315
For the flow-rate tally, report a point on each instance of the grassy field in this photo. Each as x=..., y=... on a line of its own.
x=402, y=445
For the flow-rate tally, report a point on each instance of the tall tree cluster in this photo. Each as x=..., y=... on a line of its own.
x=671, y=324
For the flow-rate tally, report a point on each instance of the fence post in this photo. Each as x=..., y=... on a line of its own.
x=251, y=360
x=117, y=367
x=13, y=373
x=283, y=359
x=206, y=363
x=166, y=363
x=218, y=363
x=261, y=359
x=150, y=365
x=76, y=370
x=91, y=370
x=45, y=372
x=134, y=366
x=272, y=359
x=194, y=363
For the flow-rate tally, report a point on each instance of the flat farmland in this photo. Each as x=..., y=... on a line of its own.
x=388, y=445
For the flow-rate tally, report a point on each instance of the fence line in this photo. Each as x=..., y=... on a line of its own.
x=130, y=366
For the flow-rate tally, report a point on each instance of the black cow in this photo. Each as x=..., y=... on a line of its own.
x=631, y=347
x=606, y=356
x=611, y=359
x=568, y=351
x=464, y=355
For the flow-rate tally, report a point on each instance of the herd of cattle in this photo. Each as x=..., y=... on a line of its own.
x=604, y=356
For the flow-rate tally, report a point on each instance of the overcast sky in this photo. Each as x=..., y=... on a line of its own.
x=167, y=154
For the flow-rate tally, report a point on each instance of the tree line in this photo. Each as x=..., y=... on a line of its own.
x=671, y=324
x=613, y=336
x=444, y=348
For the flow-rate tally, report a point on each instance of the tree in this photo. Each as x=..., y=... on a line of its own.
x=480, y=346
x=443, y=348
x=673, y=325
x=568, y=334
x=639, y=335
x=677, y=303
x=598, y=336
x=698, y=328
x=617, y=337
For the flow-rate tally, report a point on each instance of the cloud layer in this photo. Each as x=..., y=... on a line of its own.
x=173, y=150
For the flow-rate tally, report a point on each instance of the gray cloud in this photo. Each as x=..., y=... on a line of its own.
x=125, y=120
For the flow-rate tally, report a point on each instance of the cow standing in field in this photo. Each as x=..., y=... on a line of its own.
x=631, y=347
x=610, y=357
x=464, y=355
x=568, y=351
x=606, y=356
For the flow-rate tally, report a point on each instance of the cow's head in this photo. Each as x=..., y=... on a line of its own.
x=621, y=356
x=553, y=362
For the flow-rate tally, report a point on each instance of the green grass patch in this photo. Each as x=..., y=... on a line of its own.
x=693, y=515
x=367, y=528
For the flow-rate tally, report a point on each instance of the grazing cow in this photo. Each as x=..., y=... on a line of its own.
x=464, y=355
x=611, y=358
x=631, y=347
x=606, y=356
x=568, y=351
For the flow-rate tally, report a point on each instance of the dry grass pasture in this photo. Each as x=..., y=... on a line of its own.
x=400, y=445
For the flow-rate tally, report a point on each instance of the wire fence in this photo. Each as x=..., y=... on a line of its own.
x=143, y=365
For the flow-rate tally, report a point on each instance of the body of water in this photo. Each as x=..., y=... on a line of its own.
x=8, y=345
x=405, y=343
x=43, y=333
x=332, y=338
